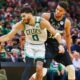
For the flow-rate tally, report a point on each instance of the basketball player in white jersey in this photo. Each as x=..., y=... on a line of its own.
x=35, y=35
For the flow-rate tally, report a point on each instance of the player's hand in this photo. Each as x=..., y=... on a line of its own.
x=61, y=49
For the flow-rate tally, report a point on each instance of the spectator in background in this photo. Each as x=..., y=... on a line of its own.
x=1, y=25
x=74, y=35
x=56, y=71
x=52, y=5
x=76, y=63
x=22, y=40
x=76, y=46
x=3, y=75
x=3, y=54
x=79, y=33
x=15, y=54
x=2, y=2
x=9, y=47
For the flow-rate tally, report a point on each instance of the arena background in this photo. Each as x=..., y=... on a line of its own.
x=12, y=51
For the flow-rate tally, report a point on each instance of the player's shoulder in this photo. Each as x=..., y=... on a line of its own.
x=44, y=23
x=41, y=19
x=68, y=21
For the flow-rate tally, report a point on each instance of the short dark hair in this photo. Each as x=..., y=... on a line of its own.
x=26, y=8
x=64, y=4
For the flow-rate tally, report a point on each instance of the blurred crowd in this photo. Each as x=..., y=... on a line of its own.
x=13, y=50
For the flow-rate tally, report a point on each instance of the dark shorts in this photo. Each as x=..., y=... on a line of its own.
x=52, y=53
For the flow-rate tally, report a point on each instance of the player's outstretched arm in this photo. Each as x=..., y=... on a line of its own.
x=18, y=26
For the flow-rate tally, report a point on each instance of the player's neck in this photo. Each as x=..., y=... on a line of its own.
x=32, y=20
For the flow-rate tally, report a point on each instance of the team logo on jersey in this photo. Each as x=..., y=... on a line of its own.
x=33, y=31
x=61, y=22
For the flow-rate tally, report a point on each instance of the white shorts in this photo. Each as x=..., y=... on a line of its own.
x=34, y=50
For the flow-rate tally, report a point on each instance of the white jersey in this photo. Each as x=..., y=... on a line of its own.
x=34, y=34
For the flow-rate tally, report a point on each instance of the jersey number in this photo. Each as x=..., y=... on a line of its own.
x=35, y=37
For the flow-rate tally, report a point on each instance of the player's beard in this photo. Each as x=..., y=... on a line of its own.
x=27, y=21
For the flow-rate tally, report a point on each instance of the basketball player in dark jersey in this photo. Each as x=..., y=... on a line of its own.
x=62, y=24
